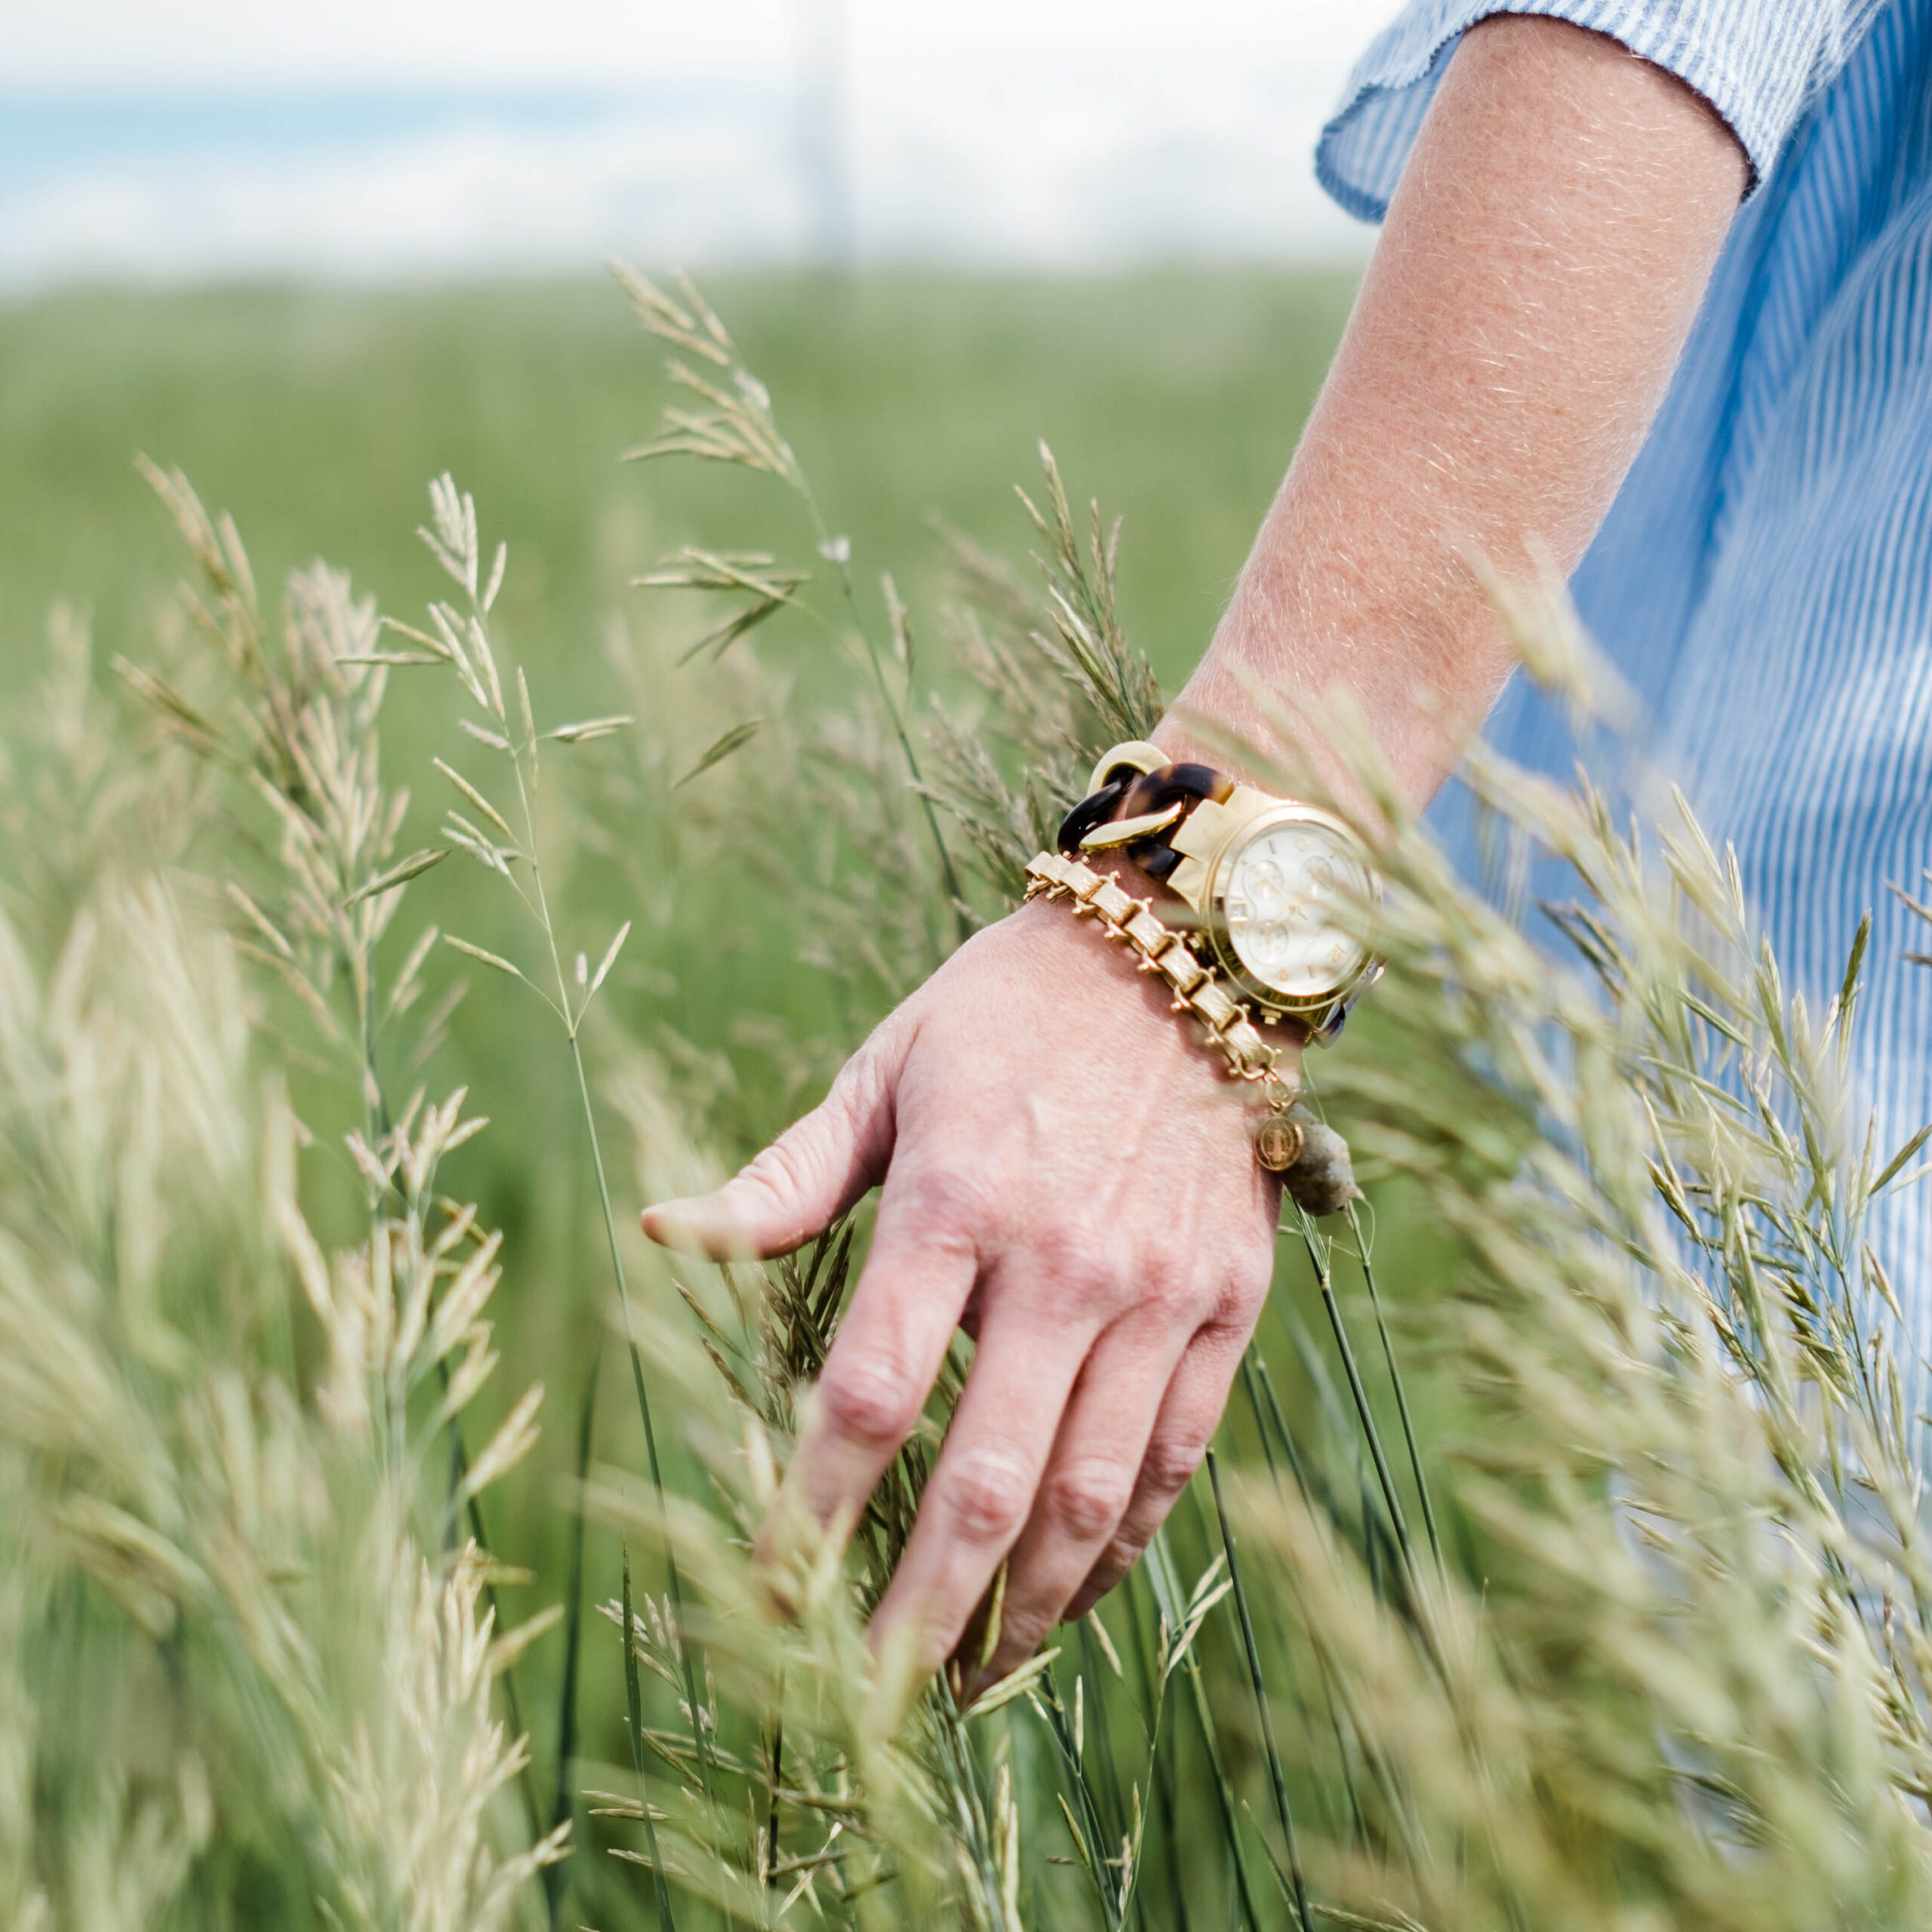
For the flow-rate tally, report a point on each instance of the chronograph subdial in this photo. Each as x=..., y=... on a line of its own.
x=1285, y=890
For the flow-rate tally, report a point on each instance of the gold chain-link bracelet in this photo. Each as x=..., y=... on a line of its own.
x=1278, y=1140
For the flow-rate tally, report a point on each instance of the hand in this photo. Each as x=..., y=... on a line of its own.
x=1067, y=1174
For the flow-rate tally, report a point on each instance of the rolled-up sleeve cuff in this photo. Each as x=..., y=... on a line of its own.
x=1758, y=62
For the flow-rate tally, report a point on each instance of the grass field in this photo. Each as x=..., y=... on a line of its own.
x=318, y=416
x=1655, y=1654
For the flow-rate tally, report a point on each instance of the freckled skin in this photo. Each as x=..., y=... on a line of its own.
x=1063, y=1168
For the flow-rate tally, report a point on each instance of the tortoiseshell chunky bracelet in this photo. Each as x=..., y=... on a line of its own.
x=1278, y=1140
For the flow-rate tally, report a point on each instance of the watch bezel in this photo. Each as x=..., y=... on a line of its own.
x=1318, y=1009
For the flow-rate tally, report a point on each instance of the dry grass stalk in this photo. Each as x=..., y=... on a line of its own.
x=1650, y=1648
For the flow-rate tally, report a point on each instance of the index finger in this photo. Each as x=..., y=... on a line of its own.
x=887, y=1356
x=983, y=1488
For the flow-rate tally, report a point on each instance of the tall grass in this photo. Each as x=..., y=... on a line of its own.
x=1582, y=1586
x=253, y=1645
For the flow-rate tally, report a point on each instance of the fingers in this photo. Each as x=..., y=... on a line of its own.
x=888, y=1354
x=807, y=1178
x=1190, y=1412
x=982, y=1488
x=1090, y=1479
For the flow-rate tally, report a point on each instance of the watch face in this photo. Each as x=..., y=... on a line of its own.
x=1285, y=889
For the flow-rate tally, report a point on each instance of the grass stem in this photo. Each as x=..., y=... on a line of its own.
x=1168, y=1595
x=1162, y=1772
x=555, y=1882
x=1391, y=1499
x=1281, y=1807
x=955, y=892
x=573, y=1032
x=1094, y=1839
x=634, y=1708
x=1395, y=1380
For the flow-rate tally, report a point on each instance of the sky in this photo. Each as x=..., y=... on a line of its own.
x=179, y=140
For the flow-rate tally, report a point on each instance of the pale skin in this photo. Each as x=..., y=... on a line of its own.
x=1064, y=1171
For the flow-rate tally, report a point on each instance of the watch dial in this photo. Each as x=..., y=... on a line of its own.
x=1285, y=888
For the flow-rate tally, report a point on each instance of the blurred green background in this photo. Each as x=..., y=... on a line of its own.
x=317, y=417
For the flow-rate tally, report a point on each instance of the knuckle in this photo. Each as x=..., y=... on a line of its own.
x=870, y=1396
x=1088, y=1265
x=1233, y=1310
x=1251, y=1283
x=953, y=1196
x=1172, y=1301
x=790, y=1171
x=987, y=1492
x=1170, y=1464
x=1087, y=1498
x=1020, y=1631
x=1061, y=1250
x=863, y=1082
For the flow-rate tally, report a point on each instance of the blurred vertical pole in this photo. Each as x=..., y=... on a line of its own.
x=824, y=133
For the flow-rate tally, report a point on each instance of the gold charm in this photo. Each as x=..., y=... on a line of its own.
x=1278, y=1142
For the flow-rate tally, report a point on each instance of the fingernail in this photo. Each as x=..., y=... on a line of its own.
x=700, y=1224
x=654, y=1217
x=680, y=1223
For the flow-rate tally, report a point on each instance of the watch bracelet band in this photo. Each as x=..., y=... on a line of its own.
x=1196, y=989
x=1129, y=789
x=1134, y=793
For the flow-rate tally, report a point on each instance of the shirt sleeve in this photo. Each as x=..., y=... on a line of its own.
x=1758, y=62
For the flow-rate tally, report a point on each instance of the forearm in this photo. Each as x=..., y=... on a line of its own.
x=1539, y=268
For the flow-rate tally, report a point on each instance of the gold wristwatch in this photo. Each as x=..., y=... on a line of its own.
x=1267, y=879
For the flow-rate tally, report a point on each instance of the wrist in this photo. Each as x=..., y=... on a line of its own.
x=1174, y=913
x=1227, y=1022
x=1288, y=1142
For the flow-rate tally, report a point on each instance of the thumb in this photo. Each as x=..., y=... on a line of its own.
x=806, y=1178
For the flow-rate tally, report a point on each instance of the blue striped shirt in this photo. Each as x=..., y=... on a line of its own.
x=1763, y=579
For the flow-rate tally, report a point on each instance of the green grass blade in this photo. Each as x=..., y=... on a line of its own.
x=1371, y=1434
x=1167, y=1595
x=1162, y=1771
x=1115, y=1807
x=1253, y=1373
x=1093, y=1847
x=634, y=1706
x=556, y=1883
x=777, y=1778
x=1282, y=1810
x=674, y=1581
x=969, y=1781
x=1402, y=1394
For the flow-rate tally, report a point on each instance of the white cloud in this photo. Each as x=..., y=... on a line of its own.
x=469, y=197
x=1039, y=132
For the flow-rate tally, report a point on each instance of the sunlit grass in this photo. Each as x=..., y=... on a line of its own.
x=1578, y=1585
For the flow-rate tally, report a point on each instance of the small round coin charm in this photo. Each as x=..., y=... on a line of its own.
x=1278, y=1142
